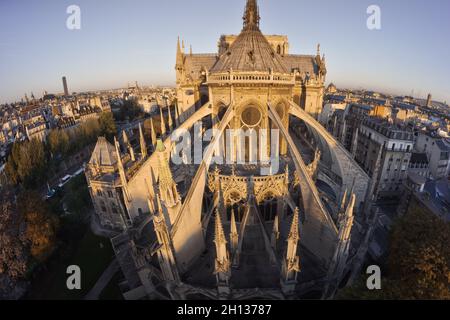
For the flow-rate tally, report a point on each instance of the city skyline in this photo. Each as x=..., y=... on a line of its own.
x=176, y=156
x=117, y=44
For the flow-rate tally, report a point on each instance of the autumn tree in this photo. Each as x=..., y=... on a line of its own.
x=419, y=259
x=41, y=225
x=418, y=265
x=13, y=255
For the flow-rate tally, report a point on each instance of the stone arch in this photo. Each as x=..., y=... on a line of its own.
x=268, y=203
x=285, y=103
x=233, y=196
x=220, y=109
x=343, y=166
x=247, y=102
x=250, y=114
x=325, y=187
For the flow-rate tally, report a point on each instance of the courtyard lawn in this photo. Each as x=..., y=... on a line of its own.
x=92, y=254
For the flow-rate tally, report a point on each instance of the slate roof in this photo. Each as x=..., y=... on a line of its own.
x=303, y=63
x=195, y=62
x=104, y=153
x=251, y=51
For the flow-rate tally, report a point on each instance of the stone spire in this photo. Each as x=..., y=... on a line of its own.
x=222, y=263
x=150, y=199
x=122, y=175
x=180, y=54
x=219, y=235
x=251, y=51
x=339, y=261
x=142, y=142
x=275, y=232
x=341, y=212
x=234, y=236
x=313, y=167
x=291, y=264
x=167, y=186
x=125, y=139
x=344, y=232
x=251, y=16
x=165, y=254
x=294, y=235
x=177, y=115
x=170, y=121
x=163, y=123
x=128, y=145
x=153, y=133
x=131, y=151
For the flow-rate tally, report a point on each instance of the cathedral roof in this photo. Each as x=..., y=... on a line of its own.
x=304, y=63
x=194, y=64
x=104, y=153
x=251, y=51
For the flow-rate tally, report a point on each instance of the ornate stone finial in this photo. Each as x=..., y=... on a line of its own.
x=163, y=123
x=234, y=236
x=251, y=16
x=219, y=236
x=160, y=209
x=142, y=142
x=222, y=262
x=170, y=121
x=153, y=132
x=167, y=186
x=318, y=49
x=125, y=139
x=291, y=263
x=275, y=232
x=177, y=115
x=294, y=233
x=349, y=217
x=122, y=173
x=179, y=63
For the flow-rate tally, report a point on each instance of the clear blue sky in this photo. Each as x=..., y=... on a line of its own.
x=123, y=41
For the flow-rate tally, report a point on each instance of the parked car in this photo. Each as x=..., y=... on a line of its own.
x=64, y=180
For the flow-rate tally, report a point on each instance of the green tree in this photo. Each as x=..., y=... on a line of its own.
x=27, y=163
x=12, y=165
x=107, y=125
x=58, y=142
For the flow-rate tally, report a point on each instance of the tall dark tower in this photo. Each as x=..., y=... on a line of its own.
x=66, y=90
x=429, y=100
